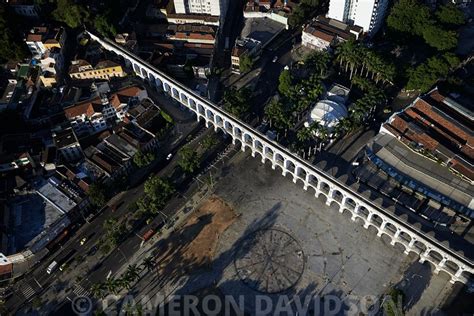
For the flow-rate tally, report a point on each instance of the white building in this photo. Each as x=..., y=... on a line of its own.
x=211, y=7
x=369, y=14
x=92, y=116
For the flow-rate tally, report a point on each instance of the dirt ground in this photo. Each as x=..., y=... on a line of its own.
x=193, y=245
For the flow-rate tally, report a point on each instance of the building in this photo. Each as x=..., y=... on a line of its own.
x=26, y=8
x=369, y=14
x=256, y=34
x=322, y=33
x=331, y=109
x=99, y=113
x=41, y=38
x=81, y=70
x=7, y=91
x=214, y=7
x=67, y=145
x=173, y=17
x=431, y=146
x=192, y=33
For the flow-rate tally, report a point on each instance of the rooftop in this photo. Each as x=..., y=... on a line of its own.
x=64, y=138
x=329, y=29
x=439, y=127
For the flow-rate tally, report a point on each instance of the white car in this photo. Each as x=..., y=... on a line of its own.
x=169, y=156
x=274, y=59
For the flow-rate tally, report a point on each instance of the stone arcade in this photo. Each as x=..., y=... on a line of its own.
x=413, y=240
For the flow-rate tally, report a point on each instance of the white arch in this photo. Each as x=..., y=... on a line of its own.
x=285, y=159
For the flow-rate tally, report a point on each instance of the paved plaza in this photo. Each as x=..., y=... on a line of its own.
x=285, y=241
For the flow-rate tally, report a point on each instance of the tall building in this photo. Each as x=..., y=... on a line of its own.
x=368, y=14
x=211, y=7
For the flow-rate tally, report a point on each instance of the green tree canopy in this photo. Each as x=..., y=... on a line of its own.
x=10, y=45
x=237, y=101
x=246, y=63
x=97, y=194
x=285, y=85
x=157, y=192
x=409, y=16
x=72, y=14
x=450, y=14
x=103, y=25
x=425, y=75
x=278, y=114
x=188, y=159
x=142, y=159
x=439, y=38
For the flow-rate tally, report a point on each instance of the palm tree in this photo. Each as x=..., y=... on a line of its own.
x=111, y=285
x=133, y=272
x=97, y=290
x=149, y=263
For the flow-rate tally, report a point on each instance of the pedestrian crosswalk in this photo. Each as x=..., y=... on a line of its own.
x=27, y=291
x=80, y=291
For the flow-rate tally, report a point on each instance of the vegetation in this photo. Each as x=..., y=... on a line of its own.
x=112, y=285
x=246, y=63
x=157, y=192
x=285, y=83
x=318, y=62
x=113, y=234
x=236, y=101
x=97, y=194
x=188, y=159
x=305, y=10
x=412, y=18
x=426, y=74
x=209, y=141
x=141, y=159
x=70, y=13
x=10, y=45
x=103, y=26
x=357, y=59
x=393, y=306
x=450, y=14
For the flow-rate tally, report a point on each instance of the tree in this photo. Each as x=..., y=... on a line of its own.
x=277, y=114
x=10, y=45
x=103, y=26
x=318, y=62
x=450, y=14
x=209, y=141
x=70, y=13
x=425, y=75
x=237, y=102
x=157, y=192
x=132, y=273
x=149, y=263
x=97, y=194
x=98, y=290
x=409, y=16
x=188, y=159
x=439, y=38
x=141, y=159
x=285, y=86
x=245, y=63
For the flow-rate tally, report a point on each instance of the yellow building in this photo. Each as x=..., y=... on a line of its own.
x=82, y=70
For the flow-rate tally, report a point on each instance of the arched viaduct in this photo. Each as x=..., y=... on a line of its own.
x=400, y=232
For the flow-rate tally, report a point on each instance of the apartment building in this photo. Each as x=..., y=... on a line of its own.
x=97, y=114
x=369, y=14
x=106, y=69
x=322, y=33
x=210, y=7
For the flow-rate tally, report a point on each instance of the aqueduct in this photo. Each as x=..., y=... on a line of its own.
x=399, y=231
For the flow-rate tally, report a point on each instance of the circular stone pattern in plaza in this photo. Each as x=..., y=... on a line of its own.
x=270, y=261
